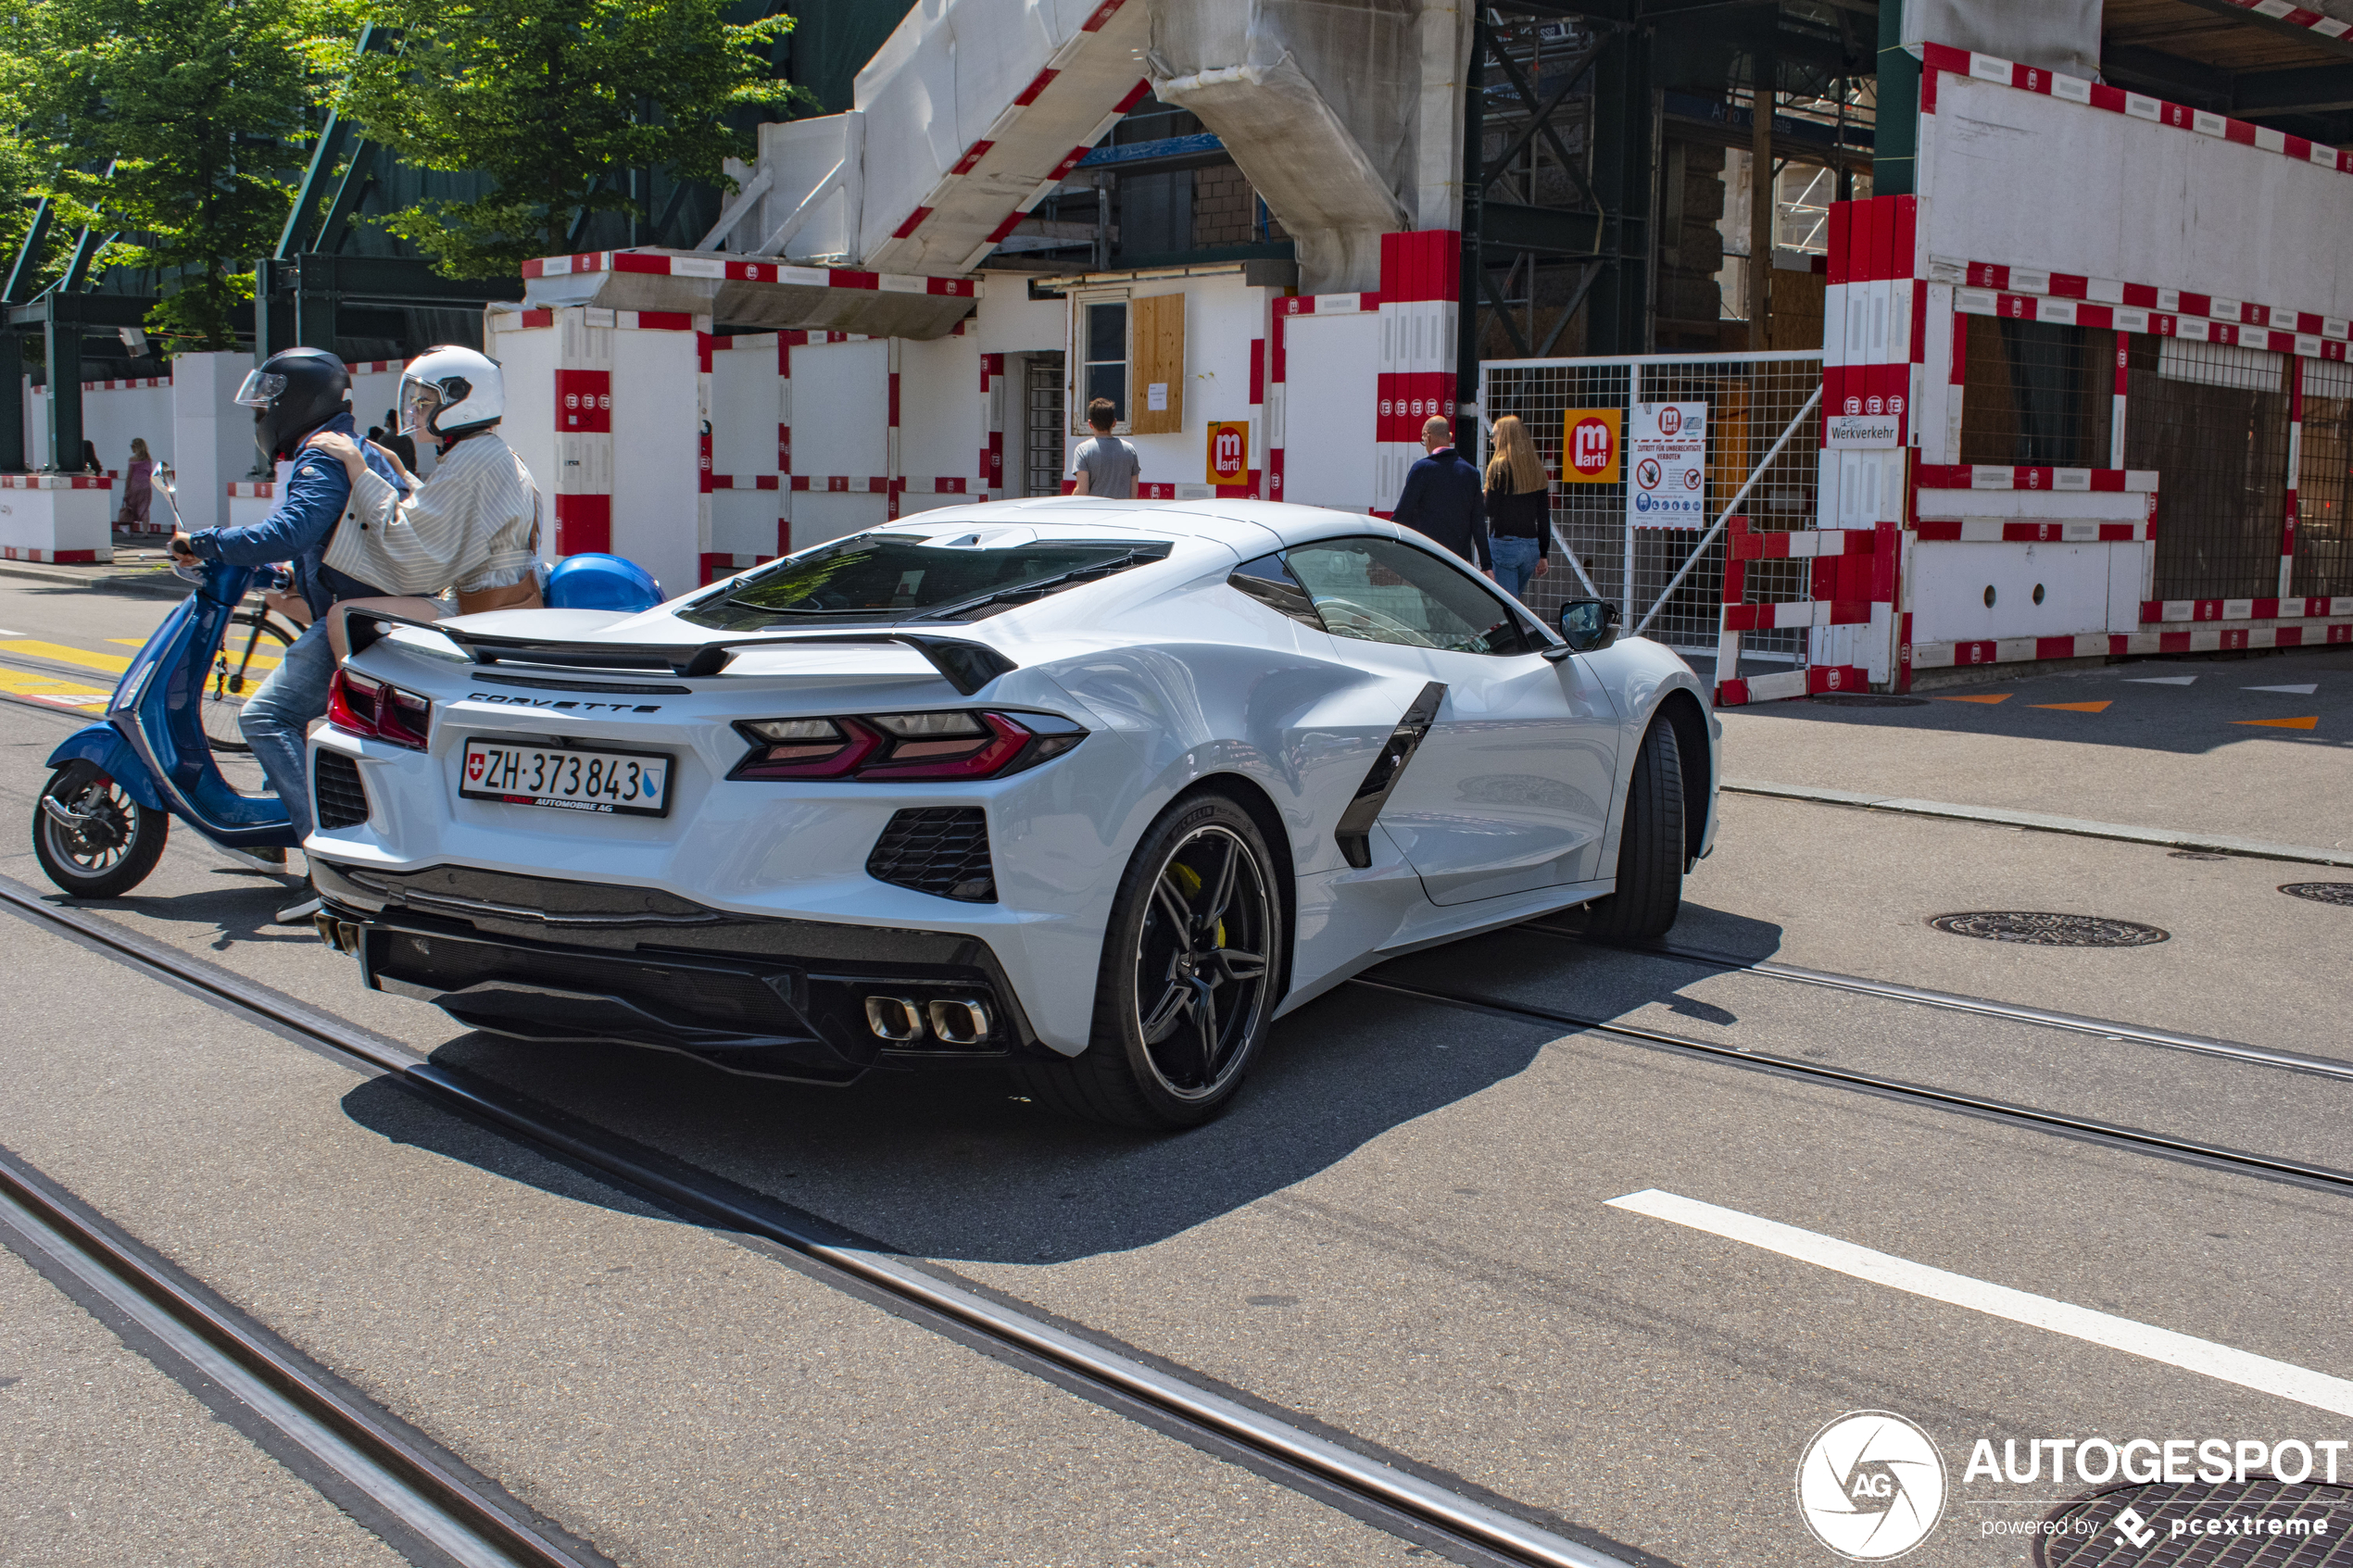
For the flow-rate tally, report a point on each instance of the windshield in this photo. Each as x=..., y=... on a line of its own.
x=886, y=577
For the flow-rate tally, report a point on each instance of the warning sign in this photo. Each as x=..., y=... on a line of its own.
x=1667, y=482
x=1589, y=446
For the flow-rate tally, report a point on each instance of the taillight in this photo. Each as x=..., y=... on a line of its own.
x=951, y=744
x=365, y=706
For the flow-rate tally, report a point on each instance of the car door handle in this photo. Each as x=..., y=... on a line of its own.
x=1354, y=832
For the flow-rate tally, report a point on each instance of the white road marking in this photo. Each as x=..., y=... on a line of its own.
x=2244, y=1368
x=2160, y=680
x=2305, y=690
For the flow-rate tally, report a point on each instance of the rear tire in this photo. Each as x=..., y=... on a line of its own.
x=1650, y=849
x=1189, y=977
x=112, y=847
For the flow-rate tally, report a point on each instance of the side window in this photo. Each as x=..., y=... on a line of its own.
x=1271, y=584
x=1382, y=591
x=1103, y=372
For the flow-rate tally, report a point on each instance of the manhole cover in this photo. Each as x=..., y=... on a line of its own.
x=1867, y=699
x=2320, y=892
x=2041, y=929
x=2194, y=1524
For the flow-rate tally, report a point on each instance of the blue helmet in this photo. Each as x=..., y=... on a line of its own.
x=601, y=582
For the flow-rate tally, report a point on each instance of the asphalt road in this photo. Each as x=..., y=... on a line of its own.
x=1405, y=1232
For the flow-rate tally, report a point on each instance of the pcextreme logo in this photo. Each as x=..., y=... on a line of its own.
x=1871, y=1486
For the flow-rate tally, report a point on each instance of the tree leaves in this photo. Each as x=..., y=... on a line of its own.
x=546, y=97
x=176, y=122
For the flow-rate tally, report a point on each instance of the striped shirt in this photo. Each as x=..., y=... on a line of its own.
x=474, y=525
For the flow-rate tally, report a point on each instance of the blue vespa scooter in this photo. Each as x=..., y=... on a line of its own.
x=109, y=807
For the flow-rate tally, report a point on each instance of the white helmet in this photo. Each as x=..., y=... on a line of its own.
x=448, y=392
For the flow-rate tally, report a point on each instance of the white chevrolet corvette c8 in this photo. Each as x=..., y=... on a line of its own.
x=1099, y=788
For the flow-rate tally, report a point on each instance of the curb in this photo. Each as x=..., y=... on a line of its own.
x=2171, y=838
x=159, y=582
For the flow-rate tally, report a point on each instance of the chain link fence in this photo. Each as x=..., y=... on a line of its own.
x=1752, y=399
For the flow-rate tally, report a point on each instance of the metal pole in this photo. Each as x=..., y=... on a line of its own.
x=1468, y=373
x=64, y=354
x=1725, y=516
x=1760, y=200
x=11, y=401
x=1626, y=471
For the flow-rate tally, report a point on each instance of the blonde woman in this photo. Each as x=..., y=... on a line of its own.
x=1520, y=508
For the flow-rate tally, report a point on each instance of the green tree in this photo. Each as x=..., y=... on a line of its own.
x=174, y=122
x=546, y=97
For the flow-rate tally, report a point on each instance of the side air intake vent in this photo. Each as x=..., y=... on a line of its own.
x=343, y=799
x=937, y=849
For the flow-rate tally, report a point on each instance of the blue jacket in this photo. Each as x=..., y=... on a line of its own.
x=317, y=493
x=1444, y=500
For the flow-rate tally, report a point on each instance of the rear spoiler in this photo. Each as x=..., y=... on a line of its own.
x=967, y=666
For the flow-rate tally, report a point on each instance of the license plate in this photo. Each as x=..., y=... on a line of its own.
x=630, y=783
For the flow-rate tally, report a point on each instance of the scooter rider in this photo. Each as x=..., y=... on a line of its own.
x=473, y=527
x=296, y=395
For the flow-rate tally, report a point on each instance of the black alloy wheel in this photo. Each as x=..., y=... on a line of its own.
x=1188, y=976
x=92, y=838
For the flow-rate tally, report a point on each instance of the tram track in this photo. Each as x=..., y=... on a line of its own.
x=1952, y=1001
x=428, y=1495
x=2137, y=1140
x=1394, y=1496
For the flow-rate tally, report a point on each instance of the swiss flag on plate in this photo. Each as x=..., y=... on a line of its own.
x=473, y=767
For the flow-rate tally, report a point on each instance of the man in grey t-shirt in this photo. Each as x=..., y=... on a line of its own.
x=1104, y=465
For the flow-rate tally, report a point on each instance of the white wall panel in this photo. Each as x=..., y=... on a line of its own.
x=841, y=408
x=817, y=516
x=1331, y=374
x=744, y=410
x=940, y=410
x=2024, y=180
x=1949, y=581
x=657, y=455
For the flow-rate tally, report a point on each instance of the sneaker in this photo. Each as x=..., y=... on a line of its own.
x=298, y=914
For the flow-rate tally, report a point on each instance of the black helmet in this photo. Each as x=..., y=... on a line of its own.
x=292, y=394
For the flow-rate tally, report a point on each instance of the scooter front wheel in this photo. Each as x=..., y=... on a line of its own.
x=92, y=837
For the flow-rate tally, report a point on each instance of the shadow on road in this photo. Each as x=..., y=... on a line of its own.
x=956, y=1165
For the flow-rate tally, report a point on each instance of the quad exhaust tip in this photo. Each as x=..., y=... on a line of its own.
x=959, y=1022
x=955, y=1020
x=342, y=935
x=894, y=1018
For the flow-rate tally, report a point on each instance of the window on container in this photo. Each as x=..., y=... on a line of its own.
x=1104, y=370
x=2038, y=394
x=2211, y=419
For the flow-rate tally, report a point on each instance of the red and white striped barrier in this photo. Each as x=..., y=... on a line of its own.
x=52, y=558
x=1852, y=581
x=55, y=482
x=667, y=264
x=125, y=385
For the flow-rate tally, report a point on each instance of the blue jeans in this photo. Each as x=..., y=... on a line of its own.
x=1515, y=562
x=276, y=721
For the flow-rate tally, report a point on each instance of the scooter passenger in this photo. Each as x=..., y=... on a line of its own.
x=294, y=396
x=473, y=527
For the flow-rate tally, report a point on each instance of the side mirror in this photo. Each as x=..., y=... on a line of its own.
x=1589, y=625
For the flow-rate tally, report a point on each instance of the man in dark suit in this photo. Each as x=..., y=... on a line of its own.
x=1443, y=498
